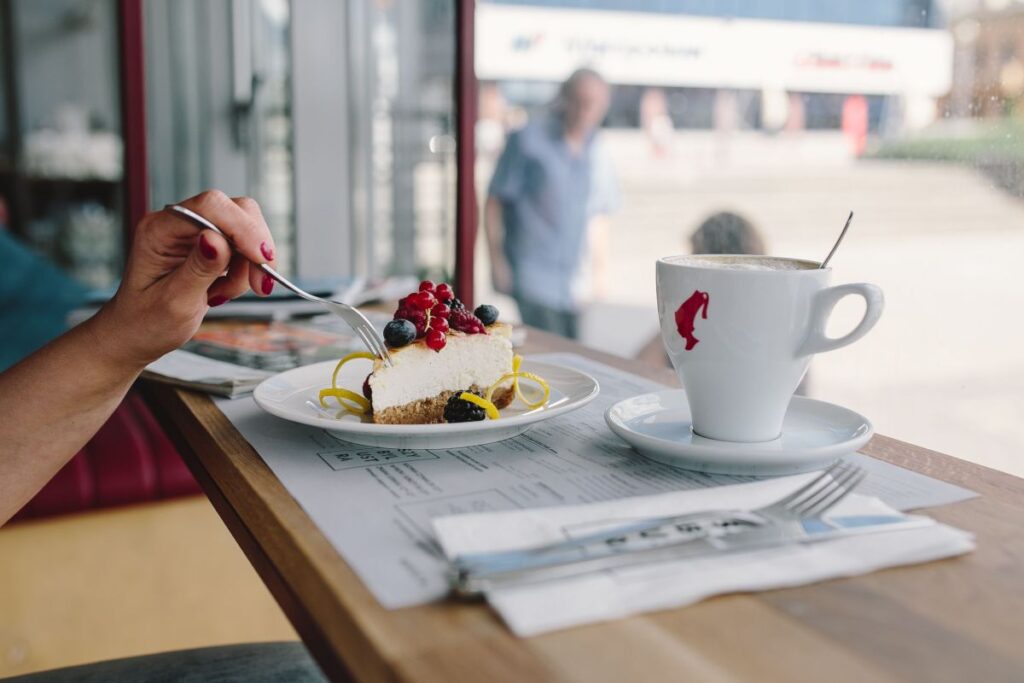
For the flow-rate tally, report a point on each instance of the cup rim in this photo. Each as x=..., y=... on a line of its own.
x=675, y=260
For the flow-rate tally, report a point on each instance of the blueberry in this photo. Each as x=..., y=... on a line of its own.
x=399, y=333
x=488, y=314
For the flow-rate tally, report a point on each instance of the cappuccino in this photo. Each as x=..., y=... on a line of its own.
x=731, y=262
x=740, y=332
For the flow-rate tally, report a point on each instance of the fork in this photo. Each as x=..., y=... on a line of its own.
x=359, y=323
x=809, y=501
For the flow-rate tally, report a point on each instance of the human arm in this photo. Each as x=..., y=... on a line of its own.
x=506, y=186
x=603, y=202
x=53, y=401
x=501, y=271
x=599, y=230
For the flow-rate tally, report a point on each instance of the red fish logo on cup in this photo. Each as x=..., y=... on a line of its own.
x=686, y=314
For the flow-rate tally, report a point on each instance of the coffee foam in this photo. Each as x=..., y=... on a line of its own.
x=745, y=263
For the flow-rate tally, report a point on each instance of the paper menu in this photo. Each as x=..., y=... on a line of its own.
x=375, y=505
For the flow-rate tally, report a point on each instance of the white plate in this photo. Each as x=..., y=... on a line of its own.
x=292, y=395
x=814, y=434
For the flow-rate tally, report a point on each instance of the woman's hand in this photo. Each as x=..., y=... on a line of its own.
x=175, y=272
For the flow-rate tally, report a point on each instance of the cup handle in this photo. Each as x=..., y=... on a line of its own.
x=821, y=309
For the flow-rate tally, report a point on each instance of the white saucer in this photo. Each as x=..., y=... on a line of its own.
x=292, y=395
x=814, y=434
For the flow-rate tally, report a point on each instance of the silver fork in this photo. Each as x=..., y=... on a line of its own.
x=818, y=496
x=809, y=501
x=363, y=328
x=782, y=522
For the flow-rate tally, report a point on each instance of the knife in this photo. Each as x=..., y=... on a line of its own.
x=474, y=575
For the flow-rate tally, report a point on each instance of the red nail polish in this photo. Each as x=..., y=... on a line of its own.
x=267, y=251
x=206, y=249
x=268, y=284
x=217, y=300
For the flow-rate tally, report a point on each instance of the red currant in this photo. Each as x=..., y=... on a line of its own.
x=436, y=340
x=441, y=311
x=444, y=292
x=417, y=318
x=424, y=301
x=439, y=324
x=426, y=286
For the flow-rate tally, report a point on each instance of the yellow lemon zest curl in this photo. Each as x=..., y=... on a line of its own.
x=485, y=403
x=515, y=376
x=349, y=400
x=517, y=362
x=343, y=396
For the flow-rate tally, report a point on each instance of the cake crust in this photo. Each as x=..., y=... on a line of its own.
x=431, y=410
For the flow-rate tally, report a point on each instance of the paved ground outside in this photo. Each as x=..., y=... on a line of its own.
x=945, y=366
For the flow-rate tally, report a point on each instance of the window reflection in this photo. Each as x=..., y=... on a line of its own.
x=219, y=105
x=61, y=168
x=789, y=115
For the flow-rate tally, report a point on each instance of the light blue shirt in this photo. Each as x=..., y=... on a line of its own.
x=548, y=196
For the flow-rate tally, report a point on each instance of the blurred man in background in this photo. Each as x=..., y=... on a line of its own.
x=552, y=189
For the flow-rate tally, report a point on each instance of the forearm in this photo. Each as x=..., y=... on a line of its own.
x=495, y=229
x=52, y=403
x=501, y=273
x=600, y=250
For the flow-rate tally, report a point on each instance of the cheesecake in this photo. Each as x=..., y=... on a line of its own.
x=421, y=380
x=447, y=364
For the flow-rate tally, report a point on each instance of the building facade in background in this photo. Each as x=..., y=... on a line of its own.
x=762, y=65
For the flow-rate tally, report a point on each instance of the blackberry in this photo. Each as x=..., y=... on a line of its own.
x=455, y=304
x=458, y=410
x=488, y=314
x=399, y=333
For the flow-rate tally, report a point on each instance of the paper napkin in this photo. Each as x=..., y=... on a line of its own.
x=532, y=609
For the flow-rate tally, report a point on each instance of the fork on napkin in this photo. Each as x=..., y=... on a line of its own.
x=534, y=608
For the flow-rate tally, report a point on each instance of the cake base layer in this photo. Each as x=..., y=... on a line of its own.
x=431, y=410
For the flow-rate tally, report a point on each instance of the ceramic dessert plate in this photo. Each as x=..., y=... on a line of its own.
x=292, y=395
x=814, y=434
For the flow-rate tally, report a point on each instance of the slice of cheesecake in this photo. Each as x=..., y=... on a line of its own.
x=415, y=389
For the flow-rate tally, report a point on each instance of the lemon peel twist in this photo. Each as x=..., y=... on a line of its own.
x=352, y=402
x=515, y=376
x=489, y=408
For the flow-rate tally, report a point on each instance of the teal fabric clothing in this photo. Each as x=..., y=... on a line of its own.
x=548, y=195
x=35, y=299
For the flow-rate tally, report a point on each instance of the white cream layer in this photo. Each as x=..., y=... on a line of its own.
x=419, y=372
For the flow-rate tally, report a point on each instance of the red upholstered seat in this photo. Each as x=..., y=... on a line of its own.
x=130, y=460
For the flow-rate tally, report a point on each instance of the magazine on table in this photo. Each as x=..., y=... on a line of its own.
x=231, y=357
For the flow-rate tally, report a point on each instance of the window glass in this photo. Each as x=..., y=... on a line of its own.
x=337, y=117
x=61, y=164
x=219, y=105
x=904, y=111
x=408, y=168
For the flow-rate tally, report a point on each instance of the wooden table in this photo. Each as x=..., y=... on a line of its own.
x=959, y=619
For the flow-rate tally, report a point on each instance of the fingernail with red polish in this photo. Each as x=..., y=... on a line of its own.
x=268, y=284
x=217, y=300
x=207, y=249
x=267, y=251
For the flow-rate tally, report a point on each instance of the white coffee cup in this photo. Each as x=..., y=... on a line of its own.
x=740, y=332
